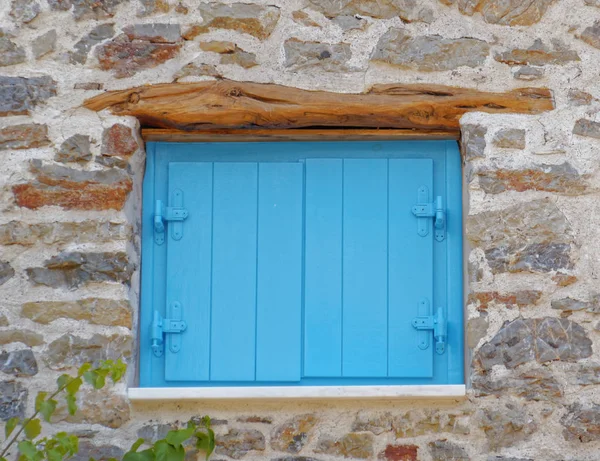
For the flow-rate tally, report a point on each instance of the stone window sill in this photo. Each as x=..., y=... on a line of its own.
x=450, y=391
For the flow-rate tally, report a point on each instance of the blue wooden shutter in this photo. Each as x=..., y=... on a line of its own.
x=236, y=272
x=367, y=271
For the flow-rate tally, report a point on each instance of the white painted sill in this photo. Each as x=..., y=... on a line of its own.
x=449, y=391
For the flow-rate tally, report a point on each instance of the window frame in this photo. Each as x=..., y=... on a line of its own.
x=456, y=373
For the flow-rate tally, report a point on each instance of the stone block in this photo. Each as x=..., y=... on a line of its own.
x=88, y=450
x=355, y=445
x=537, y=54
x=118, y=140
x=406, y=10
x=19, y=95
x=237, y=443
x=537, y=384
x=473, y=141
x=483, y=300
x=292, y=435
x=97, y=35
x=93, y=9
x=510, y=138
x=97, y=311
x=10, y=52
x=538, y=340
x=150, y=7
x=400, y=453
x=44, y=44
x=154, y=33
x=24, y=11
x=18, y=363
x=429, y=53
x=505, y=13
x=591, y=35
x=582, y=423
x=75, y=149
x=25, y=136
x=256, y=20
x=70, y=351
x=21, y=335
x=443, y=450
x=13, y=400
x=506, y=426
x=301, y=55
x=587, y=128
x=6, y=272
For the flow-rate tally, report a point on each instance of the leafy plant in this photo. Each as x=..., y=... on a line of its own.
x=26, y=433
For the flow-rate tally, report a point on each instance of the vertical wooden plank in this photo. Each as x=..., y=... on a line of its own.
x=323, y=269
x=279, y=278
x=365, y=230
x=233, y=331
x=189, y=272
x=410, y=269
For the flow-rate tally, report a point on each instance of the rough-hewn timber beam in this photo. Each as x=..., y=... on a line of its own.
x=227, y=104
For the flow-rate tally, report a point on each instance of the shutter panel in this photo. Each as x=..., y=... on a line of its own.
x=233, y=333
x=410, y=270
x=279, y=282
x=188, y=272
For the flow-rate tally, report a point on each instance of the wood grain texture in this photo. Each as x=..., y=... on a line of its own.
x=228, y=104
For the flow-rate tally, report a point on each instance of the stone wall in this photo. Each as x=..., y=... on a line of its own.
x=70, y=211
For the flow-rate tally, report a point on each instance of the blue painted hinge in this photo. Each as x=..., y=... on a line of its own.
x=438, y=324
x=172, y=326
x=175, y=214
x=424, y=210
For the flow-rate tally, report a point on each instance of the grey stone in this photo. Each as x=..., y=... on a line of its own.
x=473, y=141
x=150, y=7
x=237, y=443
x=75, y=149
x=60, y=5
x=533, y=235
x=579, y=98
x=571, y=304
x=88, y=450
x=153, y=432
x=97, y=35
x=154, y=33
x=18, y=95
x=429, y=53
x=10, y=53
x=476, y=329
x=595, y=3
x=585, y=374
x=528, y=73
x=95, y=9
x=44, y=44
x=582, y=423
x=537, y=384
x=587, y=128
x=88, y=86
x=25, y=10
x=73, y=351
x=13, y=400
x=19, y=363
x=50, y=233
x=591, y=35
x=443, y=450
x=6, y=272
x=350, y=22
x=535, y=339
x=510, y=138
x=72, y=269
x=375, y=423
x=292, y=435
x=112, y=162
x=240, y=57
x=50, y=172
x=307, y=55
x=256, y=20
x=407, y=10
x=507, y=426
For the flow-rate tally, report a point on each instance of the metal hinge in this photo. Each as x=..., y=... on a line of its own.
x=435, y=210
x=175, y=214
x=438, y=324
x=172, y=326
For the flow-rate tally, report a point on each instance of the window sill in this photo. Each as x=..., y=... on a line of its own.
x=449, y=391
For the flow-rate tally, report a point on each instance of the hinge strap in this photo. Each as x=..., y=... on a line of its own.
x=162, y=326
x=424, y=210
x=438, y=324
x=175, y=215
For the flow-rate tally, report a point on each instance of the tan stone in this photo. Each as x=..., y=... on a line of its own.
x=537, y=54
x=102, y=407
x=294, y=434
x=407, y=10
x=256, y=20
x=3, y=320
x=506, y=426
x=353, y=445
x=587, y=128
x=24, y=136
x=510, y=138
x=505, y=12
x=73, y=351
x=429, y=53
x=591, y=35
x=421, y=422
x=94, y=310
x=564, y=280
x=476, y=329
x=301, y=17
x=197, y=69
x=537, y=384
x=484, y=300
x=21, y=233
x=241, y=58
x=217, y=46
x=27, y=337
x=239, y=442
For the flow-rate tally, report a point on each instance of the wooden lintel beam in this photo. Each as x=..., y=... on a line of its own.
x=219, y=105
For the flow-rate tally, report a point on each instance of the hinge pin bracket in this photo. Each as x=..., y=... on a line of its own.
x=438, y=324
x=162, y=326
x=434, y=210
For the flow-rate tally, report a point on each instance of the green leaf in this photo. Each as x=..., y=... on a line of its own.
x=118, y=371
x=137, y=444
x=63, y=380
x=71, y=403
x=166, y=452
x=74, y=386
x=145, y=455
x=33, y=428
x=3, y=459
x=83, y=368
x=205, y=441
x=39, y=399
x=47, y=408
x=54, y=455
x=27, y=449
x=176, y=438
x=10, y=426
x=96, y=378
